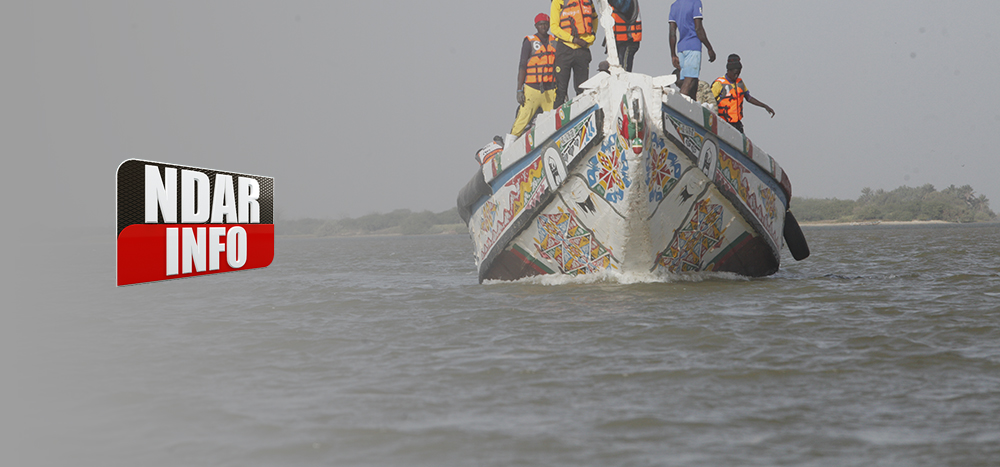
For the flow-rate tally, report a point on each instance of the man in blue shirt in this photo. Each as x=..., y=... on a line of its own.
x=685, y=18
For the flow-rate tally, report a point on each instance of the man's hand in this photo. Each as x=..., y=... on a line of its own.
x=754, y=101
x=580, y=42
x=520, y=96
x=711, y=54
x=676, y=60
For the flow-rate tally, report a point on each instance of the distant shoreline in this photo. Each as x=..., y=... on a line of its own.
x=867, y=223
x=453, y=231
x=387, y=233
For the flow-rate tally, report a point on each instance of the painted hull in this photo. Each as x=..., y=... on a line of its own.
x=629, y=177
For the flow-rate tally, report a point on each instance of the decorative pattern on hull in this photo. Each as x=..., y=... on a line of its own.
x=759, y=198
x=692, y=138
x=571, y=246
x=663, y=169
x=523, y=191
x=607, y=171
x=691, y=247
x=745, y=182
x=529, y=183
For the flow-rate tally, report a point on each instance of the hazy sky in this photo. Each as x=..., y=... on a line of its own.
x=369, y=106
x=360, y=107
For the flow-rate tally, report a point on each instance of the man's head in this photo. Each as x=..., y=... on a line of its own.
x=542, y=24
x=733, y=66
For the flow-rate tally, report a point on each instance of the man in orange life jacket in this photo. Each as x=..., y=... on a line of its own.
x=536, y=75
x=628, y=30
x=574, y=24
x=730, y=91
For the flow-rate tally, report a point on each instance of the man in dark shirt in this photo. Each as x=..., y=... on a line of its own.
x=574, y=26
x=628, y=30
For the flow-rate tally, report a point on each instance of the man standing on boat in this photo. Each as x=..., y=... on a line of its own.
x=628, y=30
x=536, y=74
x=686, y=20
x=573, y=23
x=730, y=91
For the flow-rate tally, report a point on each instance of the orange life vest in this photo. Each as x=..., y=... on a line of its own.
x=625, y=31
x=541, y=63
x=577, y=17
x=730, y=100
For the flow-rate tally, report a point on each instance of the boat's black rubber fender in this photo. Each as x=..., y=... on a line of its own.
x=795, y=240
x=470, y=194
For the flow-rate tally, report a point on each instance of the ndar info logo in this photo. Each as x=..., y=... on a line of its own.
x=176, y=221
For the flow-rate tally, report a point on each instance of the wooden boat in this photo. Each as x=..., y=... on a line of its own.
x=629, y=177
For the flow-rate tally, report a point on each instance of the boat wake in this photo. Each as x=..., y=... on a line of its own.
x=628, y=278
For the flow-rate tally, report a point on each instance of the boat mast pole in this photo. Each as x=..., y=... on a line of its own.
x=608, y=23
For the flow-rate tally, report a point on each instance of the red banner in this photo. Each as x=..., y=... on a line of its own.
x=156, y=252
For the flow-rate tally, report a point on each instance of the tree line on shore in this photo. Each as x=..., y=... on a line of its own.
x=952, y=204
x=398, y=222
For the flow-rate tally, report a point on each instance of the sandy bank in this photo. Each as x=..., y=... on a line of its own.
x=861, y=223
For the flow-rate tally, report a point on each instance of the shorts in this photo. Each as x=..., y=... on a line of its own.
x=690, y=63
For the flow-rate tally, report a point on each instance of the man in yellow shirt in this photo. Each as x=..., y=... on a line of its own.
x=536, y=76
x=574, y=24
